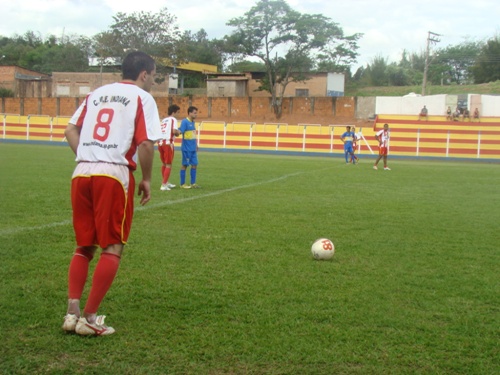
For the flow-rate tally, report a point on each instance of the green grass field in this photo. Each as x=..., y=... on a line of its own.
x=221, y=280
x=490, y=88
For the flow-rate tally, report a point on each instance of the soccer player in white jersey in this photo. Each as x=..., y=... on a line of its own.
x=166, y=145
x=382, y=136
x=114, y=125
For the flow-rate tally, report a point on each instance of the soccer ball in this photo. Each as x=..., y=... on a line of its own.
x=323, y=249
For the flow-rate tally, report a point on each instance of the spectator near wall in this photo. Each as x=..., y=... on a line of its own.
x=423, y=114
x=475, y=115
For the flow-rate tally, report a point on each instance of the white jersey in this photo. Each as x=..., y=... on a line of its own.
x=383, y=137
x=114, y=120
x=168, y=125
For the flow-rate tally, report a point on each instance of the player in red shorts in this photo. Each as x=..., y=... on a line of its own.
x=382, y=136
x=114, y=124
x=166, y=145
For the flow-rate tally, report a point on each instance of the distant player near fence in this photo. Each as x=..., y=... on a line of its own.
x=348, y=138
x=382, y=136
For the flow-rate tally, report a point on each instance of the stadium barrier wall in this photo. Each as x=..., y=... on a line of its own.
x=437, y=137
x=409, y=137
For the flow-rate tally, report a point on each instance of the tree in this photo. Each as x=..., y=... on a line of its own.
x=487, y=66
x=153, y=33
x=285, y=41
x=454, y=63
x=198, y=48
x=340, y=56
x=105, y=49
x=378, y=71
x=246, y=66
x=396, y=75
x=33, y=52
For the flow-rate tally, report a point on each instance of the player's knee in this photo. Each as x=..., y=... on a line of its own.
x=86, y=251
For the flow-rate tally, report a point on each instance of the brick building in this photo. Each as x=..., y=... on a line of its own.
x=247, y=84
x=76, y=85
x=25, y=83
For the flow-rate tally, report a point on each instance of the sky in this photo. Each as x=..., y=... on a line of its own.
x=388, y=26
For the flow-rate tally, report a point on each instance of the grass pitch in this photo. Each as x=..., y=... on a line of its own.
x=220, y=280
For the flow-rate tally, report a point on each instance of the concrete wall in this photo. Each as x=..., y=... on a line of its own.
x=365, y=107
x=223, y=88
x=488, y=105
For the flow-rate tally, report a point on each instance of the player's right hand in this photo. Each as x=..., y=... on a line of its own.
x=144, y=192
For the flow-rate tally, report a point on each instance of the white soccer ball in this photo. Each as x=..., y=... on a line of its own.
x=323, y=249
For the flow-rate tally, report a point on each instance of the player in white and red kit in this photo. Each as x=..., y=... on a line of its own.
x=166, y=145
x=114, y=125
x=382, y=136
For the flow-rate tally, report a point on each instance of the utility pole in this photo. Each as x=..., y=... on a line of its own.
x=431, y=38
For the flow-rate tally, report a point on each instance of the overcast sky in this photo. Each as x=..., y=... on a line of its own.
x=389, y=26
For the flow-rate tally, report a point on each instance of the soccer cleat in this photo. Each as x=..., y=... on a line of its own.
x=70, y=321
x=171, y=186
x=185, y=186
x=98, y=328
x=375, y=167
x=196, y=186
x=164, y=187
x=387, y=169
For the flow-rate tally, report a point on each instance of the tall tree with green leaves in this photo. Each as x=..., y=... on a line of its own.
x=453, y=63
x=199, y=48
x=487, y=66
x=287, y=42
x=246, y=66
x=154, y=33
x=46, y=55
x=378, y=71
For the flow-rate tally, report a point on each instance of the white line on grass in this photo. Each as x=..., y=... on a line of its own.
x=167, y=203
x=10, y=231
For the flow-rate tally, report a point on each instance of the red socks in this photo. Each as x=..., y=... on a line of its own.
x=104, y=274
x=77, y=274
x=166, y=174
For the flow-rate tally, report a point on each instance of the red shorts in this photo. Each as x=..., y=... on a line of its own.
x=166, y=153
x=382, y=150
x=102, y=210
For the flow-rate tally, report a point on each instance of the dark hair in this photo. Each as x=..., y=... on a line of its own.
x=135, y=63
x=191, y=109
x=173, y=108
